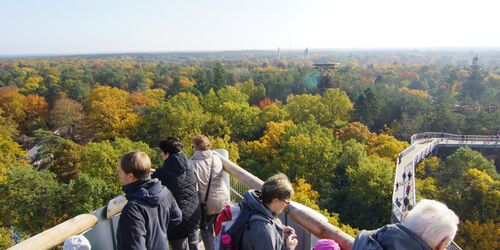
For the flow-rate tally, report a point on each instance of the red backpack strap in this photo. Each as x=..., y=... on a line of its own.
x=224, y=215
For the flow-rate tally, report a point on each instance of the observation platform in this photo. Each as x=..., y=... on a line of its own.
x=100, y=225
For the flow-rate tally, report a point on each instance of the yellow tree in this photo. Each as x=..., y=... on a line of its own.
x=37, y=107
x=355, y=130
x=13, y=103
x=110, y=114
x=386, y=146
x=475, y=235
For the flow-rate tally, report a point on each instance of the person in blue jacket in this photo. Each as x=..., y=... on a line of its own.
x=151, y=208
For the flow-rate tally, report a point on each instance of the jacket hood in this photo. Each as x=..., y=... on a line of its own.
x=201, y=155
x=252, y=199
x=147, y=191
x=177, y=162
x=394, y=236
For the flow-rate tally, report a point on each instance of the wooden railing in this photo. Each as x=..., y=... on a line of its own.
x=310, y=220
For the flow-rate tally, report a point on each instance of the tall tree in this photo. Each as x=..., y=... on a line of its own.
x=475, y=87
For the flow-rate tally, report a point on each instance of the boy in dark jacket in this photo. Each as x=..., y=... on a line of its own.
x=177, y=174
x=151, y=209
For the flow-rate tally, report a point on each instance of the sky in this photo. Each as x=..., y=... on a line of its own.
x=30, y=27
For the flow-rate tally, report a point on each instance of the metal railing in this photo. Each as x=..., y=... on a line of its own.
x=422, y=144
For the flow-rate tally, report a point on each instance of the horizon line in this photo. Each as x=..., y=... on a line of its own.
x=71, y=54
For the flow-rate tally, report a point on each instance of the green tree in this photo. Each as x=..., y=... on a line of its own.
x=232, y=105
x=181, y=116
x=375, y=176
x=32, y=200
x=99, y=160
x=87, y=194
x=368, y=106
x=475, y=87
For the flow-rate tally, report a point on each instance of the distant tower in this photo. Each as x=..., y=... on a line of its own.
x=279, y=53
x=306, y=53
x=326, y=71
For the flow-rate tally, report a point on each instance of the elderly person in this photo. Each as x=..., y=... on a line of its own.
x=208, y=169
x=430, y=225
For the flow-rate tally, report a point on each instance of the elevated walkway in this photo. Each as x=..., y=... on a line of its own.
x=423, y=144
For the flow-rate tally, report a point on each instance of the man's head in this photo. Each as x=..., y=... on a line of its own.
x=201, y=143
x=170, y=146
x=134, y=166
x=433, y=222
x=276, y=193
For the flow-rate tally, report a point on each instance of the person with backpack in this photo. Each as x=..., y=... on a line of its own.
x=212, y=190
x=177, y=174
x=257, y=225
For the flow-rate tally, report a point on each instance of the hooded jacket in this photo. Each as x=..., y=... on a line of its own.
x=150, y=211
x=389, y=237
x=177, y=174
x=218, y=196
x=264, y=230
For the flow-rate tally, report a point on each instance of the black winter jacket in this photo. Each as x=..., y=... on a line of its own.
x=177, y=174
x=150, y=211
x=390, y=237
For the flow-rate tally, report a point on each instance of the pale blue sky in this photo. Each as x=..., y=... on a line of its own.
x=91, y=26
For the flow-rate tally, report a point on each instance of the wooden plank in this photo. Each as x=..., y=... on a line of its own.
x=58, y=234
x=115, y=206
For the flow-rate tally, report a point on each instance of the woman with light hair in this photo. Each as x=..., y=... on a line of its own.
x=430, y=225
x=212, y=190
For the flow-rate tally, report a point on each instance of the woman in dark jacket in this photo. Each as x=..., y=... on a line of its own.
x=177, y=174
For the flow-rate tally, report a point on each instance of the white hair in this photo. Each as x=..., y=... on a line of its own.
x=432, y=221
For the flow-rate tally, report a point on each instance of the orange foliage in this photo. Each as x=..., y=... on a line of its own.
x=36, y=107
x=265, y=102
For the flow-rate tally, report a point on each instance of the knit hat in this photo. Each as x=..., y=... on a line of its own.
x=78, y=242
x=326, y=244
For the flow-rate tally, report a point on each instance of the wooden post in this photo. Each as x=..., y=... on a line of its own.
x=54, y=236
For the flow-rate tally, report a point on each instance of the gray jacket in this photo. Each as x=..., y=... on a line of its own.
x=264, y=230
x=389, y=237
x=218, y=197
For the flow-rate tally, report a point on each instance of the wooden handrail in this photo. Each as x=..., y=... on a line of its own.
x=54, y=236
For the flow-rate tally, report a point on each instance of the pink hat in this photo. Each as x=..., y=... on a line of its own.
x=325, y=244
